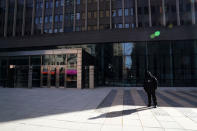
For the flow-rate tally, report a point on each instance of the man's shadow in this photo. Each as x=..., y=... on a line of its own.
x=120, y=113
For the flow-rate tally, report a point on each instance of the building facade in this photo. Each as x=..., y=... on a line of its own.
x=40, y=41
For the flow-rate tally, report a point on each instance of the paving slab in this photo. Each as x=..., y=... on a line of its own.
x=100, y=109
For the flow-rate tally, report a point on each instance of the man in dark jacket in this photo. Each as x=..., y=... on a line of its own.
x=150, y=85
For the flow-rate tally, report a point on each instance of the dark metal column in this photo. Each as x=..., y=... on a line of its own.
x=150, y=15
x=193, y=12
x=15, y=15
x=63, y=21
x=53, y=17
x=123, y=14
x=178, y=12
x=6, y=18
x=74, y=20
x=136, y=14
x=86, y=15
x=164, y=13
x=24, y=14
x=110, y=4
x=98, y=14
x=33, y=17
x=43, y=15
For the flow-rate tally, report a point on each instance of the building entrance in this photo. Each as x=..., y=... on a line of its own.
x=45, y=68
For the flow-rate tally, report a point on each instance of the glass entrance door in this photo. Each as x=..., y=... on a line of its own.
x=61, y=76
x=21, y=79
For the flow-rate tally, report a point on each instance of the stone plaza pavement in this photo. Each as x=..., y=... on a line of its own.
x=100, y=109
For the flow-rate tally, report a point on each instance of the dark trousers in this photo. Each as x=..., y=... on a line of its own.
x=151, y=95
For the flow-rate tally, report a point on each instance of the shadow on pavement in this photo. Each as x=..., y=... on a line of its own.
x=120, y=113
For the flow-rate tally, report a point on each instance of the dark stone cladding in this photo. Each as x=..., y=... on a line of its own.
x=105, y=36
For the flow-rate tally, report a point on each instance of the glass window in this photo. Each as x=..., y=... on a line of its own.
x=50, y=30
x=50, y=18
x=132, y=12
x=119, y=25
x=61, y=30
x=36, y=20
x=46, y=19
x=62, y=2
x=55, y=30
x=126, y=25
x=40, y=19
x=113, y=13
x=57, y=4
x=51, y=4
x=78, y=2
x=126, y=12
x=145, y=10
x=119, y=12
x=56, y=18
x=61, y=18
x=41, y=5
x=78, y=16
x=47, y=5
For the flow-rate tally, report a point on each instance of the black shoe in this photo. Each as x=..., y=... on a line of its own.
x=148, y=105
x=155, y=106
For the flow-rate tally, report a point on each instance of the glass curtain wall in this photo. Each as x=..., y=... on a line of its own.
x=19, y=17
x=171, y=13
x=2, y=17
x=117, y=14
x=48, y=16
x=104, y=14
x=10, y=17
x=59, y=4
x=80, y=15
x=143, y=13
x=92, y=14
x=28, y=16
x=69, y=15
x=157, y=12
x=185, y=12
x=129, y=13
x=38, y=17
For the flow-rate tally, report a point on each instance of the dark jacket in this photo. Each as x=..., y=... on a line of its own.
x=150, y=83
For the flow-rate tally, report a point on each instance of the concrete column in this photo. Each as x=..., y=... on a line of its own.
x=178, y=12
x=33, y=17
x=193, y=12
x=110, y=7
x=24, y=14
x=43, y=15
x=6, y=18
x=91, y=77
x=53, y=17
x=86, y=15
x=49, y=77
x=123, y=14
x=150, y=15
x=136, y=14
x=63, y=21
x=30, y=77
x=74, y=21
x=79, y=69
x=65, y=77
x=15, y=16
x=98, y=14
x=41, y=76
x=57, y=76
x=164, y=12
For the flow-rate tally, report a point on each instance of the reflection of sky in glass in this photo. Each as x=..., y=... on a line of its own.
x=128, y=50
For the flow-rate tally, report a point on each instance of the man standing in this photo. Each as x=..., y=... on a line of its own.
x=150, y=85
